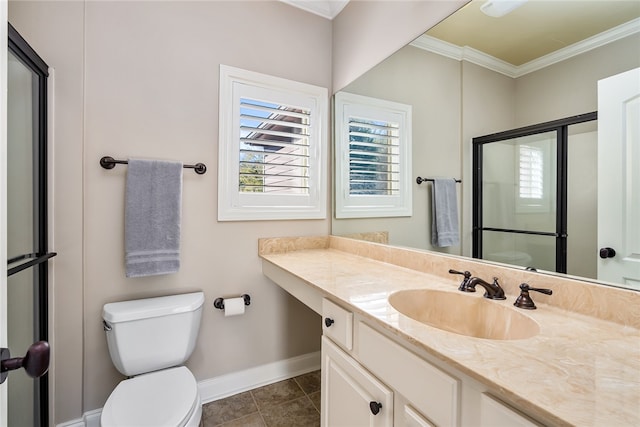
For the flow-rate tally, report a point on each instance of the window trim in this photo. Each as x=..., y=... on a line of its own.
x=236, y=206
x=369, y=206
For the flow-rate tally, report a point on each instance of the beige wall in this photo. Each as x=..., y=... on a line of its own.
x=367, y=32
x=141, y=79
x=582, y=202
x=569, y=88
x=452, y=102
x=488, y=106
x=430, y=83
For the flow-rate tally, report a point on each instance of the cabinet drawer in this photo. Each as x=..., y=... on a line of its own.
x=348, y=391
x=494, y=413
x=337, y=324
x=430, y=390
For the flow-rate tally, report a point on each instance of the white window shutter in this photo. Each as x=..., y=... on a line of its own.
x=271, y=148
x=373, y=157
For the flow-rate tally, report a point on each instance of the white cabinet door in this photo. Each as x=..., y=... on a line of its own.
x=619, y=178
x=351, y=396
x=413, y=418
x=433, y=392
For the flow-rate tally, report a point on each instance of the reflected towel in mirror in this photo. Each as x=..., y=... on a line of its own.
x=444, y=213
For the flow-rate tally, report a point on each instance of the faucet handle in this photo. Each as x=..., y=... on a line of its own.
x=466, y=274
x=498, y=292
x=524, y=299
x=465, y=281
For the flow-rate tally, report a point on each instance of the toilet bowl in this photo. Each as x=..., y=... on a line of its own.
x=164, y=398
x=148, y=340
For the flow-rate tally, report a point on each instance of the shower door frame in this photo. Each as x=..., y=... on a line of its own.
x=561, y=127
x=21, y=49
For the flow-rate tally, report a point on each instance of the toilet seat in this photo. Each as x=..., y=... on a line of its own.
x=162, y=398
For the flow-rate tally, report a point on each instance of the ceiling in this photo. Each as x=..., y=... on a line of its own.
x=535, y=29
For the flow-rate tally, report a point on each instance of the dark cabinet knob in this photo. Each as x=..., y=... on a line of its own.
x=328, y=321
x=375, y=407
x=35, y=362
x=607, y=253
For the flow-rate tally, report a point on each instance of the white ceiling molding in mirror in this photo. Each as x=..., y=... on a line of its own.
x=467, y=53
x=538, y=28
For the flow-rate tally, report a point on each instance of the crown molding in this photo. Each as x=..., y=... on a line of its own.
x=328, y=9
x=474, y=56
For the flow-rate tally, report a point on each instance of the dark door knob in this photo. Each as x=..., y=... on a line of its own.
x=35, y=362
x=607, y=253
x=328, y=321
x=375, y=407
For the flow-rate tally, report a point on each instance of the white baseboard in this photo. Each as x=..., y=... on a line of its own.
x=230, y=384
x=237, y=382
x=89, y=419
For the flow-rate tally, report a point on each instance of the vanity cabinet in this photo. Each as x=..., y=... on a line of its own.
x=356, y=394
x=369, y=379
x=351, y=396
x=431, y=391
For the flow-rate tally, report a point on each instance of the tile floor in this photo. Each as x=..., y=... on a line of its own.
x=292, y=402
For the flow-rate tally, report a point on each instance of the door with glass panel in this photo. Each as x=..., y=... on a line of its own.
x=520, y=195
x=27, y=249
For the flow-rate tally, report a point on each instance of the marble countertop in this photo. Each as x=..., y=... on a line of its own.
x=579, y=370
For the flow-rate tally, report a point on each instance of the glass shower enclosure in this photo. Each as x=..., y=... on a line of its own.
x=520, y=195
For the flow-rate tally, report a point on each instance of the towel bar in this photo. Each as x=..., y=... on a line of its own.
x=109, y=162
x=420, y=180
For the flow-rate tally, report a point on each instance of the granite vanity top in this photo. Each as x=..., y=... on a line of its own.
x=579, y=370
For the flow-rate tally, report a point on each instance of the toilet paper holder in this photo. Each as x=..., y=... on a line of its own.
x=219, y=302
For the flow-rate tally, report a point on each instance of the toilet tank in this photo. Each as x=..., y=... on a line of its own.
x=149, y=334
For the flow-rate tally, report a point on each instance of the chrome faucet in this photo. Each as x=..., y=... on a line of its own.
x=492, y=290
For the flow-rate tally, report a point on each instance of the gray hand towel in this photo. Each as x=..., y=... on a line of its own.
x=444, y=213
x=153, y=208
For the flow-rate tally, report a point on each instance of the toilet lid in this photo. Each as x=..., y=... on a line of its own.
x=162, y=398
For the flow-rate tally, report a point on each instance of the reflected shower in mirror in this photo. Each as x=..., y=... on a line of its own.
x=524, y=197
x=459, y=89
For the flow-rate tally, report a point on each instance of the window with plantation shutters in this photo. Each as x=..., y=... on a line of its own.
x=535, y=177
x=373, y=155
x=272, y=148
x=531, y=176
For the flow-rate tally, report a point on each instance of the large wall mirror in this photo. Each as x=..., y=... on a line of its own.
x=474, y=75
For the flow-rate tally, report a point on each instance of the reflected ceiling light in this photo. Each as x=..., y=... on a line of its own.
x=498, y=8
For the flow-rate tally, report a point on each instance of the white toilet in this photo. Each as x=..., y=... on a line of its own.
x=148, y=341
